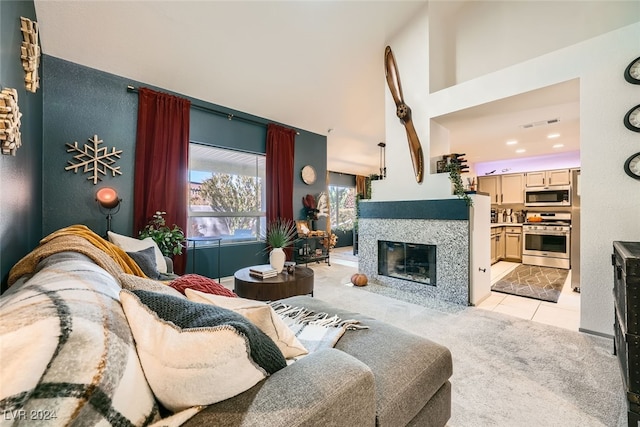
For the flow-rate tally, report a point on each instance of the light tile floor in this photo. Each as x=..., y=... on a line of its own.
x=565, y=313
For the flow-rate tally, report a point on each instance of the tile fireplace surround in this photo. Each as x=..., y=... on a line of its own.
x=444, y=223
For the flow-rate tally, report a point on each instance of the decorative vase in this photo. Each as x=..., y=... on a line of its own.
x=277, y=258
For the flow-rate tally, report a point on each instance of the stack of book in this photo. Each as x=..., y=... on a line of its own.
x=263, y=271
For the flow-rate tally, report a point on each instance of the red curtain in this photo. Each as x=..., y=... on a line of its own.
x=161, y=167
x=280, y=151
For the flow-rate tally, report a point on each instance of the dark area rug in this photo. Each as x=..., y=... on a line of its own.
x=531, y=281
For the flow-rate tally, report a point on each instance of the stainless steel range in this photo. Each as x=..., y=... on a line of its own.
x=547, y=239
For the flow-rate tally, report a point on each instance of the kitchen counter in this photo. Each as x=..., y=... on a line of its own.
x=506, y=224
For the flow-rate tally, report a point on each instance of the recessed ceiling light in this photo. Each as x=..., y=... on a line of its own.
x=558, y=145
x=512, y=142
x=520, y=150
x=553, y=135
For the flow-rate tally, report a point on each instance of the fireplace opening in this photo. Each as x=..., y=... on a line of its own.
x=407, y=261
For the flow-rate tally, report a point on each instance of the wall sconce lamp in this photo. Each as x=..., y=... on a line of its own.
x=383, y=160
x=108, y=203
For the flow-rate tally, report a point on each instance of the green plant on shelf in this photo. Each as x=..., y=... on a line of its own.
x=455, y=177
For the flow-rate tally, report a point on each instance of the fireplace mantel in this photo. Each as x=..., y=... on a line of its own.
x=441, y=209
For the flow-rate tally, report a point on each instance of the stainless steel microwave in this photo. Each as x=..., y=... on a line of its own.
x=550, y=196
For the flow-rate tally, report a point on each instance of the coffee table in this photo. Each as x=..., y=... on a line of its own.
x=283, y=285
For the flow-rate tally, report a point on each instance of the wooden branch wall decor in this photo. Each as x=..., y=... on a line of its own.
x=94, y=159
x=30, y=53
x=10, y=115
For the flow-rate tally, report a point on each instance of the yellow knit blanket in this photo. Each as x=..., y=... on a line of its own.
x=77, y=238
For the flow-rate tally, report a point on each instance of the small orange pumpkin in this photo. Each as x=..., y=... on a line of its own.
x=359, y=279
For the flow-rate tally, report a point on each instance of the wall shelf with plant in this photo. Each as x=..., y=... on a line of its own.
x=455, y=165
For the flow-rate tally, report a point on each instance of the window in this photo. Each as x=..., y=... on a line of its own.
x=343, y=207
x=227, y=195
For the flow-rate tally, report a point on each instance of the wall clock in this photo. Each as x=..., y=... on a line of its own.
x=632, y=72
x=404, y=113
x=632, y=119
x=308, y=174
x=632, y=166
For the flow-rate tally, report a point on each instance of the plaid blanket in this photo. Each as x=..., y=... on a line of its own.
x=68, y=356
x=315, y=331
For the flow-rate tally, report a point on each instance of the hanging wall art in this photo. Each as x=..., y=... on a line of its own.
x=10, y=138
x=30, y=53
x=93, y=159
x=404, y=114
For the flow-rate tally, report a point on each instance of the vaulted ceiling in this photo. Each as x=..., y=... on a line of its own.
x=314, y=65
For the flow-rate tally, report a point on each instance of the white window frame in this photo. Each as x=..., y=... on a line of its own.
x=204, y=158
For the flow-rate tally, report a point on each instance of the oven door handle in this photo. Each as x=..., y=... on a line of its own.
x=547, y=233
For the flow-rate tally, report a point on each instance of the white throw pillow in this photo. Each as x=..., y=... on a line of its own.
x=195, y=365
x=130, y=244
x=260, y=314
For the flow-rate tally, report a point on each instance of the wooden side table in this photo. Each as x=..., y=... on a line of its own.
x=274, y=288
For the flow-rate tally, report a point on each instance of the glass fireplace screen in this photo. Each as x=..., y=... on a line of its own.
x=407, y=261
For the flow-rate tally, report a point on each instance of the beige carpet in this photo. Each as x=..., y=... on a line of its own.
x=507, y=371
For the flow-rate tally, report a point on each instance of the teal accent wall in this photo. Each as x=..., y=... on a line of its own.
x=20, y=175
x=80, y=102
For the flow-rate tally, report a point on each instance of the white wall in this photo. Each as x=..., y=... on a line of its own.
x=490, y=36
x=411, y=51
x=610, y=200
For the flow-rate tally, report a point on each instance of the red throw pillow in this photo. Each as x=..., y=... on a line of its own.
x=200, y=283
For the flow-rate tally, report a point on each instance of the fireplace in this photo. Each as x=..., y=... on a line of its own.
x=458, y=275
x=408, y=261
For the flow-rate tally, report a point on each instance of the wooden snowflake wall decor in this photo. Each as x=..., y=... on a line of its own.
x=10, y=138
x=30, y=53
x=93, y=159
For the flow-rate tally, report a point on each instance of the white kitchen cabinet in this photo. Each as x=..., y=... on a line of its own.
x=494, y=239
x=503, y=189
x=512, y=188
x=513, y=244
x=547, y=178
x=491, y=185
x=497, y=244
x=500, y=244
x=535, y=179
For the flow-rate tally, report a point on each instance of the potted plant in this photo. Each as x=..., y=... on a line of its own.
x=281, y=233
x=170, y=240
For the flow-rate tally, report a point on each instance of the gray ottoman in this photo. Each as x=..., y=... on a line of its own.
x=411, y=373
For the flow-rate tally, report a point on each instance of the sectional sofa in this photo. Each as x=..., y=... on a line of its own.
x=70, y=356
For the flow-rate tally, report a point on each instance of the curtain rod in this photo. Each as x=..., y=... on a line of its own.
x=214, y=111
